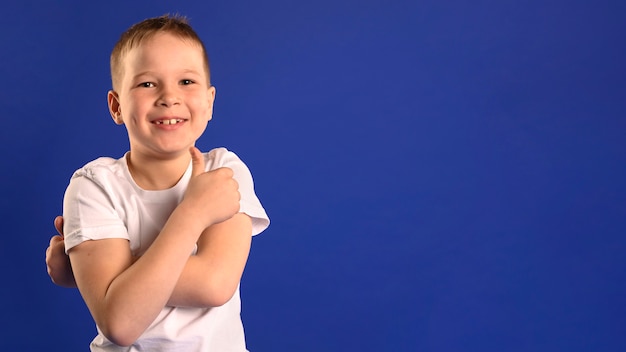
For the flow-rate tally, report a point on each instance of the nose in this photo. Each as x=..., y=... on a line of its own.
x=168, y=97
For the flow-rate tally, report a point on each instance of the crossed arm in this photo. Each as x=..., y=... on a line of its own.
x=125, y=297
x=125, y=294
x=208, y=279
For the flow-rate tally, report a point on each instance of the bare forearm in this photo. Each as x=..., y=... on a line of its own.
x=211, y=277
x=197, y=287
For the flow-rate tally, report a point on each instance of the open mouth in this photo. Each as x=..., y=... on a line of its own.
x=168, y=121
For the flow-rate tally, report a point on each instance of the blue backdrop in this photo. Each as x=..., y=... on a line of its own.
x=440, y=175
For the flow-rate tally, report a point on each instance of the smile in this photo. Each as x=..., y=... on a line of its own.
x=168, y=122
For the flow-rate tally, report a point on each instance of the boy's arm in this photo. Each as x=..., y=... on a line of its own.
x=124, y=297
x=211, y=277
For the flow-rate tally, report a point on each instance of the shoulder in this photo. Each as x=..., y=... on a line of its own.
x=221, y=157
x=99, y=164
x=102, y=170
x=220, y=153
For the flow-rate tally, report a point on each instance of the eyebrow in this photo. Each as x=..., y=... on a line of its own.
x=192, y=71
x=151, y=73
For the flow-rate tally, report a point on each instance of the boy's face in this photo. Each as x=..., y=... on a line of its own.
x=164, y=98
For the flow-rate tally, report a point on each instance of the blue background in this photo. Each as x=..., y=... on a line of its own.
x=440, y=175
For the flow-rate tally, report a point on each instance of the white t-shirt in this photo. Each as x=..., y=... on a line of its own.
x=102, y=201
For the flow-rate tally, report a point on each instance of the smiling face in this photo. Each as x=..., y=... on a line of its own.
x=164, y=98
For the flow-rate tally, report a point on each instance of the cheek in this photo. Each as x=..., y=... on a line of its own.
x=202, y=107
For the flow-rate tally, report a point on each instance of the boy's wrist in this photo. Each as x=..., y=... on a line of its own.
x=191, y=216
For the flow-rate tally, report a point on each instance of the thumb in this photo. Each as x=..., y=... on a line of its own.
x=58, y=225
x=197, y=161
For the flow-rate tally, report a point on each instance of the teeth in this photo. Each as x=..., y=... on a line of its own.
x=168, y=122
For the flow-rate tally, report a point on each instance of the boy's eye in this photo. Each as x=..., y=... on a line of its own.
x=186, y=81
x=146, y=84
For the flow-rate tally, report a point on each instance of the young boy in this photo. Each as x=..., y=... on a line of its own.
x=159, y=238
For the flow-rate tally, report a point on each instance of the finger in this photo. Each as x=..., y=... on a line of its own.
x=197, y=161
x=55, y=239
x=58, y=225
x=229, y=172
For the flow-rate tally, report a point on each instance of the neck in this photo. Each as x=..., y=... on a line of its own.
x=157, y=173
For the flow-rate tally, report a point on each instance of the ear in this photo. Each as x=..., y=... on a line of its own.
x=115, y=109
x=211, y=97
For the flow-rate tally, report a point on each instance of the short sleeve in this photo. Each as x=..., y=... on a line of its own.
x=89, y=214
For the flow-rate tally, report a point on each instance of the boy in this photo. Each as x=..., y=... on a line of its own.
x=158, y=239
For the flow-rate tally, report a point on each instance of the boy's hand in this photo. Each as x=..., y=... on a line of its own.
x=57, y=262
x=213, y=196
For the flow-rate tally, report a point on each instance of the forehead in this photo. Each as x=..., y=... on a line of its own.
x=165, y=50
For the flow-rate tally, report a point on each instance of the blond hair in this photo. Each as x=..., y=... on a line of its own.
x=146, y=29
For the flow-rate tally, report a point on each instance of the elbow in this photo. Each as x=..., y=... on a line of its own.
x=120, y=338
x=121, y=341
x=222, y=298
x=216, y=295
x=118, y=333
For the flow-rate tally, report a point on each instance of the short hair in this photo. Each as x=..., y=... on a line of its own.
x=146, y=29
